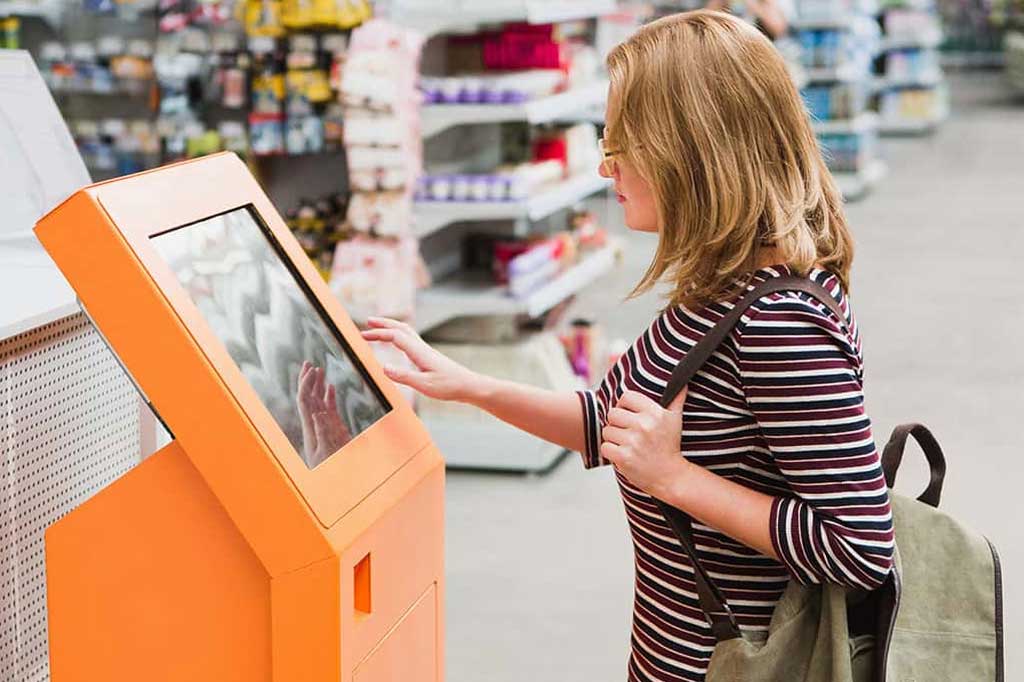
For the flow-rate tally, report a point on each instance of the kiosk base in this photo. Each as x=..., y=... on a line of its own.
x=192, y=600
x=151, y=580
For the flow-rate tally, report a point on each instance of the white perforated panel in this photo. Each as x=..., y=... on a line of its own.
x=69, y=425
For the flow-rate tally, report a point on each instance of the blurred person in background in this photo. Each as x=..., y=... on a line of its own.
x=772, y=17
x=769, y=449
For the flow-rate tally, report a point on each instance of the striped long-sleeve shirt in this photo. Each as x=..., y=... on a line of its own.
x=780, y=409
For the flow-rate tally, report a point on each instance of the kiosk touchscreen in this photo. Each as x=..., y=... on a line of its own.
x=292, y=530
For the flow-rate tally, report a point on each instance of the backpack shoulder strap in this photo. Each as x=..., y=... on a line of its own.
x=712, y=602
x=706, y=347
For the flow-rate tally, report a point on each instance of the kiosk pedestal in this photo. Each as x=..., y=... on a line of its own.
x=293, y=529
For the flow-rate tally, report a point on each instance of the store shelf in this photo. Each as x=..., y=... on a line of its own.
x=919, y=5
x=863, y=123
x=847, y=73
x=47, y=10
x=138, y=89
x=436, y=118
x=469, y=295
x=924, y=80
x=854, y=185
x=837, y=21
x=475, y=13
x=799, y=75
x=895, y=126
x=431, y=216
x=926, y=40
x=547, y=12
x=959, y=59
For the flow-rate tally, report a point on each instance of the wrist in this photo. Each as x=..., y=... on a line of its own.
x=478, y=389
x=674, y=487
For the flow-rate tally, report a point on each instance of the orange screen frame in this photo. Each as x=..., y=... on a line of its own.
x=150, y=204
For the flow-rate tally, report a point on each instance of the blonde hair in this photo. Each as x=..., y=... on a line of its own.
x=704, y=108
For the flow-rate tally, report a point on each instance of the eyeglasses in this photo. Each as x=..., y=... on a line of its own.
x=608, y=158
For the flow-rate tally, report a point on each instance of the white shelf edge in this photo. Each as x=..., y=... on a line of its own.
x=864, y=122
x=547, y=12
x=839, y=21
x=529, y=11
x=48, y=10
x=929, y=80
x=847, y=73
x=929, y=40
x=898, y=127
x=565, y=195
x=798, y=74
x=854, y=185
x=457, y=298
x=432, y=216
x=436, y=118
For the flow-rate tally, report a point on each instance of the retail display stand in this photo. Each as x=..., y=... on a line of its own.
x=251, y=547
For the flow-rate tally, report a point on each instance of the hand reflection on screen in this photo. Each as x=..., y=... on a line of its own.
x=323, y=431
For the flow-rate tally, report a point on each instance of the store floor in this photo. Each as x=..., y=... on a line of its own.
x=540, y=568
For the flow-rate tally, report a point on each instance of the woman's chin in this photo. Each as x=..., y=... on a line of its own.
x=640, y=226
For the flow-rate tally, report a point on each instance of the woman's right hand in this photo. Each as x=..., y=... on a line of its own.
x=434, y=375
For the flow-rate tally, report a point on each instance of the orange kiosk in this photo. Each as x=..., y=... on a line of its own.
x=292, y=531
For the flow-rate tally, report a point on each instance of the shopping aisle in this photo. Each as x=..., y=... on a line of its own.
x=539, y=569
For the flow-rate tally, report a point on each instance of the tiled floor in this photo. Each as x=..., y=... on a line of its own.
x=540, y=568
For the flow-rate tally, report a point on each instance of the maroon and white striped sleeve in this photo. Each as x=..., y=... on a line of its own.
x=595, y=404
x=802, y=377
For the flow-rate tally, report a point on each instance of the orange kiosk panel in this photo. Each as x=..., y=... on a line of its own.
x=293, y=529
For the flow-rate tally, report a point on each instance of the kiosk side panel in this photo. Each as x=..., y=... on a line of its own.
x=391, y=554
x=150, y=580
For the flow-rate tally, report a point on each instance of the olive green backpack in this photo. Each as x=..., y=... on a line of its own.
x=936, y=618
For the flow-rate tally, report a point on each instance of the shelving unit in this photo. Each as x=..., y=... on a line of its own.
x=838, y=21
x=1013, y=48
x=840, y=42
x=471, y=295
x=465, y=438
x=904, y=99
x=863, y=122
x=47, y=10
x=437, y=118
x=432, y=216
x=847, y=73
x=856, y=185
x=920, y=127
x=930, y=79
x=928, y=40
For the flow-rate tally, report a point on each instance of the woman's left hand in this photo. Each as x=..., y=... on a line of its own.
x=642, y=441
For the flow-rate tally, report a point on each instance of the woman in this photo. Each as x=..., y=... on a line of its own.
x=769, y=449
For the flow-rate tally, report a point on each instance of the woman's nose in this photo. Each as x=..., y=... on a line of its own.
x=603, y=170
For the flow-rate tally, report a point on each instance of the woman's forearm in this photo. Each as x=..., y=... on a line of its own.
x=739, y=512
x=550, y=415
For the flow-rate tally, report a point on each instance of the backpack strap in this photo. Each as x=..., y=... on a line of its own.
x=706, y=347
x=892, y=457
x=712, y=602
